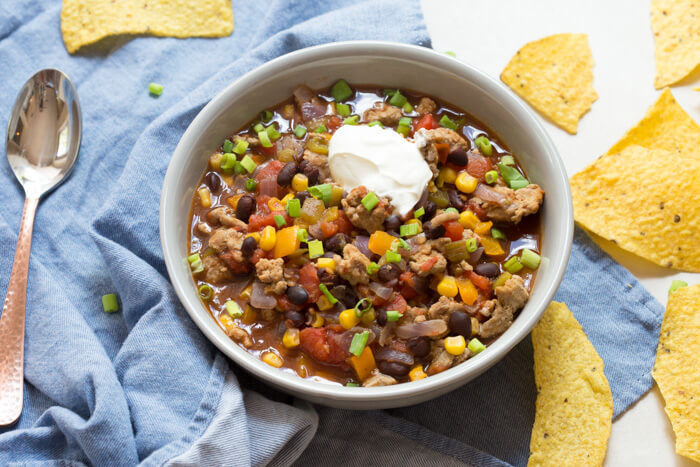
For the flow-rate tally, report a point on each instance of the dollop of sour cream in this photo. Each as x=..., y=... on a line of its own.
x=381, y=160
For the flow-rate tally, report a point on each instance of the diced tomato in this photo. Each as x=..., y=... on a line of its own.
x=285, y=305
x=236, y=267
x=454, y=230
x=343, y=223
x=271, y=151
x=308, y=278
x=480, y=282
x=443, y=149
x=257, y=222
x=408, y=292
x=476, y=209
x=261, y=202
x=427, y=121
x=407, y=277
x=478, y=165
x=328, y=229
x=258, y=254
x=270, y=170
x=333, y=122
x=320, y=344
x=398, y=303
x=429, y=263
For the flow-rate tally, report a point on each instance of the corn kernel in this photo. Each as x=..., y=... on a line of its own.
x=300, y=182
x=272, y=359
x=368, y=316
x=233, y=200
x=318, y=322
x=348, y=319
x=448, y=175
x=483, y=228
x=228, y=181
x=327, y=263
x=468, y=220
x=285, y=155
x=250, y=316
x=447, y=287
x=455, y=345
x=475, y=326
x=286, y=198
x=416, y=221
x=215, y=161
x=268, y=238
x=255, y=235
x=324, y=304
x=275, y=204
x=291, y=338
x=288, y=111
x=246, y=293
x=204, y=197
x=416, y=373
x=466, y=183
x=226, y=321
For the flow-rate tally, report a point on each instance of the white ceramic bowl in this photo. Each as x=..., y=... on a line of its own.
x=386, y=65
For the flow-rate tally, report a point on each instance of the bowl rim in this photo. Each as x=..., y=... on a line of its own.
x=319, y=390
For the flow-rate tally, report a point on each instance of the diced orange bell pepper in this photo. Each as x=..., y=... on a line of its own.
x=380, y=242
x=467, y=291
x=287, y=241
x=492, y=247
x=364, y=364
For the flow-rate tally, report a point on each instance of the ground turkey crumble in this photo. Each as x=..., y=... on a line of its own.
x=371, y=221
x=511, y=297
x=271, y=271
x=426, y=106
x=516, y=205
x=427, y=259
x=387, y=114
x=353, y=265
x=426, y=140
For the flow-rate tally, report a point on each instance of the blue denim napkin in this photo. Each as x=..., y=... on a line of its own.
x=143, y=385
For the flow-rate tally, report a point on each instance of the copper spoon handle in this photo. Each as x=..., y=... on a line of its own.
x=12, y=322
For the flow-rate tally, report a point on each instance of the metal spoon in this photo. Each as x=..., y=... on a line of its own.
x=43, y=138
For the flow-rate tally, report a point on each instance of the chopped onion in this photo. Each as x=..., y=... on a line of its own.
x=234, y=288
x=431, y=328
x=489, y=194
x=268, y=187
x=362, y=244
x=386, y=333
x=259, y=299
x=345, y=338
x=392, y=355
x=315, y=230
x=239, y=183
x=380, y=290
x=475, y=256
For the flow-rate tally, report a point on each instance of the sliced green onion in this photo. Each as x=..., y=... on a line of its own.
x=294, y=207
x=513, y=265
x=361, y=308
x=155, y=89
x=407, y=107
x=205, y=291
x=352, y=120
x=279, y=220
x=233, y=309
x=251, y=184
x=228, y=146
x=196, y=264
x=303, y=235
x=264, y=139
x=518, y=184
x=315, y=248
x=491, y=176
x=300, y=131
x=511, y=175
x=321, y=129
x=677, y=284
x=497, y=234
x=343, y=110
x=476, y=346
x=393, y=315
x=359, y=341
x=240, y=147
x=389, y=92
x=419, y=212
x=529, y=259
x=398, y=99
x=266, y=116
x=248, y=164
x=372, y=268
x=110, y=303
x=450, y=53
x=408, y=230
x=393, y=257
x=399, y=243
x=484, y=145
x=447, y=122
x=228, y=162
x=258, y=127
x=322, y=192
x=471, y=245
x=370, y=201
x=350, y=384
x=405, y=121
x=238, y=168
x=507, y=160
x=452, y=210
x=341, y=90
x=376, y=123
x=328, y=294
x=273, y=133
x=403, y=130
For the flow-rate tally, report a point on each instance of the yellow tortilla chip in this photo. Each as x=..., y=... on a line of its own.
x=665, y=126
x=555, y=76
x=676, y=369
x=85, y=22
x=574, y=404
x=676, y=27
x=645, y=201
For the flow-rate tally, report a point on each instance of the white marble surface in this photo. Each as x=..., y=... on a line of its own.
x=486, y=34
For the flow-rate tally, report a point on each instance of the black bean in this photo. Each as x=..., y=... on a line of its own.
x=433, y=232
x=392, y=224
x=327, y=276
x=310, y=171
x=392, y=368
x=248, y=247
x=380, y=316
x=245, y=207
x=345, y=295
x=297, y=295
x=213, y=181
x=336, y=242
x=284, y=177
x=458, y=157
x=301, y=196
x=460, y=323
x=430, y=210
x=487, y=269
x=456, y=200
x=388, y=272
x=294, y=318
x=419, y=345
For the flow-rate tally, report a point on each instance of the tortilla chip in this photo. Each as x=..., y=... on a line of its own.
x=645, y=201
x=85, y=22
x=676, y=369
x=676, y=27
x=574, y=404
x=665, y=126
x=555, y=76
